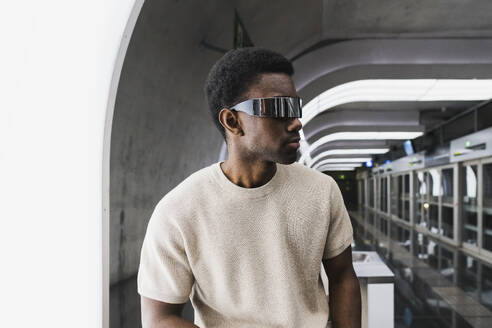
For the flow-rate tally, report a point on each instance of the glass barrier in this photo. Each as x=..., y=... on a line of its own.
x=487, y=206
x=394, y=195
x=447, y=186
x=470, y=224
x=371, y=192
x=383, y=195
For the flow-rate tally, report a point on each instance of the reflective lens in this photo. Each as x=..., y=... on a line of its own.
x=281, y=107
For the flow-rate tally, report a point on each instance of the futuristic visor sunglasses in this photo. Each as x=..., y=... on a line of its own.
x=281, y=107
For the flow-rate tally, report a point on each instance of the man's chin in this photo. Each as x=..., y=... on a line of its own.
x=288, y=160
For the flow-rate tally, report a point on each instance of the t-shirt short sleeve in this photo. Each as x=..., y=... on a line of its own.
x=340, y=233
x=164, y=272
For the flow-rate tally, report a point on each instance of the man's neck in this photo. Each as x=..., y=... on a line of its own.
x=248, y=173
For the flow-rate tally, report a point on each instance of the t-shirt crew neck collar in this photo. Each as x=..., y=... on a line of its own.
x=232, y=188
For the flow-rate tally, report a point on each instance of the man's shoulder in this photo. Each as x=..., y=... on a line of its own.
x=194, y=186
x=308, y=175
x=203, y=175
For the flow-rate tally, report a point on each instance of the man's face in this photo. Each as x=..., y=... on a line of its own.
x=268, y=138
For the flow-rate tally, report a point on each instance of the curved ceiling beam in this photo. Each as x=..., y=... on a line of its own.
x=363, y=136
x=338, y=168
x=333, y=57
x=353, y=144
x=387, y=71
x=346, y=157
x=328, y=165
x=345, y=152
x=344, y=160
x=367, y=135
x=396, y=90
x=357, y=120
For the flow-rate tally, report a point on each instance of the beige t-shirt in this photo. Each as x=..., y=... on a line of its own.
x=246, y=257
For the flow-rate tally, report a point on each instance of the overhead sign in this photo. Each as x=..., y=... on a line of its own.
x=472, y=146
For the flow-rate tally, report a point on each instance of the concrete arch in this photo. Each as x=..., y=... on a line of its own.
x=105, y=222
x=158, y=130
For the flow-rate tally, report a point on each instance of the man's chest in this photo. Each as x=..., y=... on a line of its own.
x=266, y=228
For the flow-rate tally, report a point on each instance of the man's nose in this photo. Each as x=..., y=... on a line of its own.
x=294, y=125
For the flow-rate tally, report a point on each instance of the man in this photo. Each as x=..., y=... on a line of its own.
x=244, y=239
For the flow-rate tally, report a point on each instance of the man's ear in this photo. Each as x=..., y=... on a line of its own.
x=230, y=121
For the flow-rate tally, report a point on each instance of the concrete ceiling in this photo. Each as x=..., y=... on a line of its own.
x=350, y=19
x=293, y=27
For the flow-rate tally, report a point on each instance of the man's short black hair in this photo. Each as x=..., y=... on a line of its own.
x=232, y=75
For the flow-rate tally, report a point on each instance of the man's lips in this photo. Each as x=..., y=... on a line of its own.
x=294, y=142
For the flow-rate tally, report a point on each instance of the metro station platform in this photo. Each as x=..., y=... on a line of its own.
x=436, y=285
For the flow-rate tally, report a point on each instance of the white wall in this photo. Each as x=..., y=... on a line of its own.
x=56, y=63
